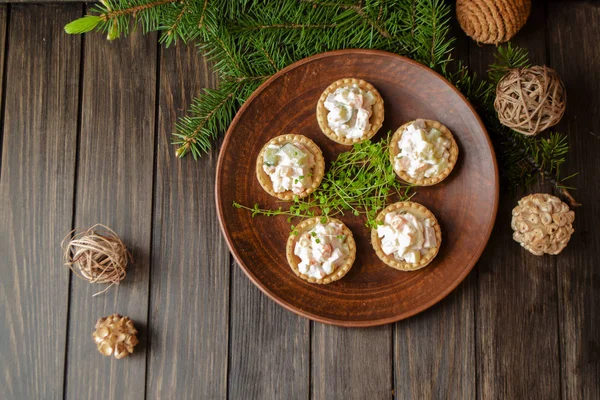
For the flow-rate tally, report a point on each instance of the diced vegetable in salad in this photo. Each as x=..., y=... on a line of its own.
x=350, y=108
x=322, y=250
x=406, y=236
x=289, y=166
x=423, y=153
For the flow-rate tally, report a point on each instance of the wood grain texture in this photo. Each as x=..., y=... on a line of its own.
x=574, y=32
x=434, y=352
x=517, y=333
x=114, y=187
x=269, y=347
x=189, y=294
x=36, y=198
x=351, y=363
x=4, y=11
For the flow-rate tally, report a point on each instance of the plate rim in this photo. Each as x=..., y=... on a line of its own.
x=342, y=322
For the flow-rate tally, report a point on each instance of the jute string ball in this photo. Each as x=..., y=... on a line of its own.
x=529, y=100
x=492, y=21
x=96, y=255
x=542, y=224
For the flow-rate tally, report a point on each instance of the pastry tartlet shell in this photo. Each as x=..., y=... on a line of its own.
x=394, y=150
x=376, y=119
x=294, y=260
x=317, y=174
x=420, y=211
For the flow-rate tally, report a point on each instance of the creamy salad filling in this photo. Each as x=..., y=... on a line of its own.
x=322, y=250
x=350, y=108
x=423, y=153
x=406, y=236
x=289, y=166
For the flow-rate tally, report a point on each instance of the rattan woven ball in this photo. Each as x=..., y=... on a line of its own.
x=529, y=100
x=492, y=21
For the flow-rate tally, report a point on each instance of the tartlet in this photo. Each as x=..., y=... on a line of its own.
x=375, y=120
x=317, y=172
x=420, y=212
x=340, y=270
x=453, y=150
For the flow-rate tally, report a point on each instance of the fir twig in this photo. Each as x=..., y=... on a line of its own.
x=203, y=14
x=545, y=172
x=131, y=10
x=358, y=9
x=290, y=26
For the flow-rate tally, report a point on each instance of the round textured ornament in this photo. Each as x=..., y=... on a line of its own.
x=492, y=21
x=529, y=100
x=96, y=255
x=542, y=224
x=115, y=335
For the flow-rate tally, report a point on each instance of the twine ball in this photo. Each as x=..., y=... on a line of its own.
x=492, y=21
x=529, y=100
x=542, y=224
x=96, y=255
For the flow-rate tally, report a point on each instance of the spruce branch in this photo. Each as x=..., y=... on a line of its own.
x=289, y=26
x=133, y=10
x=506, y=58
x=202, y=14
x=169, y=36
x=209, y=115
x=114, y=16
x=356, y=8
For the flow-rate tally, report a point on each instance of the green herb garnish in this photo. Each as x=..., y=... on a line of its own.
x=360, y=181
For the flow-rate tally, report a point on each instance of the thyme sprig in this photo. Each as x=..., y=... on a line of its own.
x=359, y=182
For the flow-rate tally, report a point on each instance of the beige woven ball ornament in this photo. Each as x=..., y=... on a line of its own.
x=530, y=100
x=492, y=21
x=542, y=224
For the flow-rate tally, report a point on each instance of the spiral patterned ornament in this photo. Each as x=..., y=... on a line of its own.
x=492, y=21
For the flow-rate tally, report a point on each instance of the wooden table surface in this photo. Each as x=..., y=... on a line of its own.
x=85, y=139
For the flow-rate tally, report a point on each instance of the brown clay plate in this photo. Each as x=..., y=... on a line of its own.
x=371, y=293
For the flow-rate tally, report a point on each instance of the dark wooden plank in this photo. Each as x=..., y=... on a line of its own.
x=4, y=11
x=36, y=197
x=351, y=363
x=517, y=332
x=190, y=283
x=434, y=352
x=269, y=347
x=574, y=33
x=114, y=187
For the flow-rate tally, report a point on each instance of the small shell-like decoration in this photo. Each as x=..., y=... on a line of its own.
x=542, y=224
